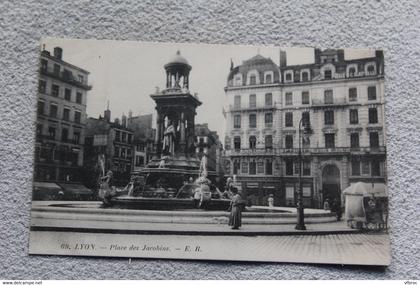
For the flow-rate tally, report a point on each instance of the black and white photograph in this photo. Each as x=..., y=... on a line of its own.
x=210, y=152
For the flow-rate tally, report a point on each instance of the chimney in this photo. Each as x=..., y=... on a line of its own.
x=283, y=59
x=130, y=114
x=58, y=53
x=117, y=121
x=317, y=55
x=124, y=120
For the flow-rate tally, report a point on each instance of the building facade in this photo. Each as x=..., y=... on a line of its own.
x=61, y=119
x=342, y=101
x=207, y=142
x=142, y=140
x=113, y=143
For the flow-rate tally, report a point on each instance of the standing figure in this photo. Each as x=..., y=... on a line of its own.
x=169, y=138
x=271, y=201
x=106, y=190
x=203, y=166
x=336, y=208
x=235, y=218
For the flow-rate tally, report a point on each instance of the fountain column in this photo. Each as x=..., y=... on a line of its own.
x=182, y=135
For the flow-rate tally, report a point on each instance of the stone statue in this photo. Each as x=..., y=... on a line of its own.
x=203, y=166
x=169, y=139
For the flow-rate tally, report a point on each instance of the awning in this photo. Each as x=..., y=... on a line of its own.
x=75, y=188
x=49, y=186
x=367, y=189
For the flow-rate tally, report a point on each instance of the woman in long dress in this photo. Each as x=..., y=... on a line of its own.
x=235, y=218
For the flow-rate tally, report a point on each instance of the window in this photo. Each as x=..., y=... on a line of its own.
x=139, y=160
x=79, y=97
x=237, y=102
x=268, y=78
x=354, y=117
x=80, y=77
x=354, y=140
x=252, y=142
x=56, y=69
x=252, y=167
x=41, y=107
x=116, y=151
x=51, y=133
x=39, y=130
x=375, y=168
x=237, y=121
x=288, y=77
x=289, y=166
x=252, y=120
x=329, y=117
x=77, y=117
x=290, y=195
x=252, y=80
x=355, y=167
x=371, y=69
x=328, y=97
x=305, y=97
x=55, y=90
x=305, y=76
x=327, y=74
x=67, y=94
x=352, y=94
x=329, y=140
x=64, y=135
x=238, y=80
x=252, y=101
x=237, y=143
x=66, y=114
x=269, y=99
x=352, y=71
x=76, y=137
x=306, y=142
x=129, y=138
x=124, y=136
x=244, y=167
x=268, y=142
x=123, y=152
x=289, y=141
x=44, y=64
x=268, y=119
x=269, y=167
x=372, y=93
x=373, y=139
x=289, y=98
x=236, y=166
x=306, y=119
x=42, y=86
x=373, y=116
x=53, y=111
x=366, y=167
x=289, y=119
x=306, y=167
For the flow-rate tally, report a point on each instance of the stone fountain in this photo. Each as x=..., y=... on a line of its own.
x=174, y=178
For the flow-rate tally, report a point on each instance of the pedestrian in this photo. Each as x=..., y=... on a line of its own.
x=271, y=201
x=336, y=208
x=327, y=204
x=235, y=218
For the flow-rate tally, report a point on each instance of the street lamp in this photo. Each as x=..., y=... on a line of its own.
x=300, y=212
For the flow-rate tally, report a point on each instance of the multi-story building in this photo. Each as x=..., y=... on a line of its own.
x=341, y=100
x=112, y=142
x=207, y=142
x=61, y=119
x=143, y=139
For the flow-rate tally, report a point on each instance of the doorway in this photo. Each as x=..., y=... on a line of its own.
x=331, y=183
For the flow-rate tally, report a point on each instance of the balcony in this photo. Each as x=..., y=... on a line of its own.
x=66, y=77
x=337, y=102
x=248, y=108
x=306, y=151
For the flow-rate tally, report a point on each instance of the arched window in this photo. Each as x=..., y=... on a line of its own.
x=288, y=77
x=252, y=80
x=352, y=71
x=268, y=78
x=252, y=167
x=252, y=142
x=327, y=74
x=236, y=166
x=371, y=69
x=305, y=76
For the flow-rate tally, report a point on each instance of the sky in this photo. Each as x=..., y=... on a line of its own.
x=125, y=73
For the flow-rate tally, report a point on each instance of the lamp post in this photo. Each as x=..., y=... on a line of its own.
x=300, y=211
